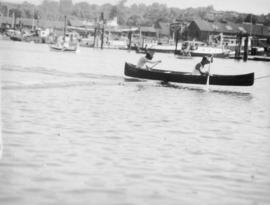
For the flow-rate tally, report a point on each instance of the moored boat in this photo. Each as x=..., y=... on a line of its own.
x=67, y=42
x=183, y=56
x=208, y=51
x=56, y=47
x=200, y=49
x=186, y=77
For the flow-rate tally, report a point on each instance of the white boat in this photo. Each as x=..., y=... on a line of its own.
x=207, y=51
x=67, y=42
x=200, y=49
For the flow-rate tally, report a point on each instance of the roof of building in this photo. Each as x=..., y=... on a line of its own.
x=29, y=22
x=229, y=27
x=51, y=24
x=148, y=29
x=164, y=28
x=203, y=25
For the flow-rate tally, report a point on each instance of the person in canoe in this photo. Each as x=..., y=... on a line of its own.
x=200, y=67
x=142, y=63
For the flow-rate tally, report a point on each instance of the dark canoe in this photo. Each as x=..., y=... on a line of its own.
x=186, y=77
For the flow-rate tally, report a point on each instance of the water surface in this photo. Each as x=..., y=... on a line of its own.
x=76, y=131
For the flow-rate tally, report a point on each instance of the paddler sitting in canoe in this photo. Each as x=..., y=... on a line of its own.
x=147, y=59
x=200, y=69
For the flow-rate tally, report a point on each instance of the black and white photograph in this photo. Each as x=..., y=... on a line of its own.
x=135, y=102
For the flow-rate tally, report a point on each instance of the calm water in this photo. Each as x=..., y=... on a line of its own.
x=76, y=132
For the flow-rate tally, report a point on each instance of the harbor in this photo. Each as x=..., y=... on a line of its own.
x=248, y=40
x=83, y=124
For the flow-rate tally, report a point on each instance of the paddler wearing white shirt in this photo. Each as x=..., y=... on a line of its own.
x=146, y=59
x=200, y=69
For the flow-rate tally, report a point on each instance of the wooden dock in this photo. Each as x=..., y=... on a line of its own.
x=253, y=58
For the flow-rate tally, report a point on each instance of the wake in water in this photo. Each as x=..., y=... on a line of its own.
x=16, y=77
x=202, y=89
x=59, y=79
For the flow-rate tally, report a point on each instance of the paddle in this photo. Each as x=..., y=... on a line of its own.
x=154, y=65
x=208, y=76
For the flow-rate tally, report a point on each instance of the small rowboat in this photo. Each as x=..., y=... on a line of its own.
x=62, y=48
x=186, y=77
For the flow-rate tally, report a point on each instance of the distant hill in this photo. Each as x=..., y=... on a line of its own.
x=133, y=15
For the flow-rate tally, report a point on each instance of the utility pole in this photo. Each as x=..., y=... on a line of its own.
x=176, y=38
x=246, y=48
x=13, y=20
x=95, y=36
x=102, y=30
x=33, y=20
x=238, y=46
x=129, y=39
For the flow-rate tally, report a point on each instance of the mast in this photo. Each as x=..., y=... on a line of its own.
x=65, y=28
x=13, y=20
x=33, y=20
x=250, y=32
x=140, y=37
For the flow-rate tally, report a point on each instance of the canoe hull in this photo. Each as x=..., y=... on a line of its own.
x=186, y=77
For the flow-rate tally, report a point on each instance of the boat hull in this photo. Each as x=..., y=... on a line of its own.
x=15, y=38
x=187, y=77
x=217, y=55
x=57, y=48
x=183, y=56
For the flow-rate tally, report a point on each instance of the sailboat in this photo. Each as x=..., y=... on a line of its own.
x=68, y=42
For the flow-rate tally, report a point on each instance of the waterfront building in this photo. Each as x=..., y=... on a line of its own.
x=201, y=29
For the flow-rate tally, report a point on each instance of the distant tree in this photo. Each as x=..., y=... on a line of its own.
x=113, y=12
x=173, y=13
x=106, y=9
x=267, y=20
x=251, y=18
x=134, y=20
x=83, y=10
x=17, y=12
x=65, y=7
x=122, y=12
x=36, y=14
x=122, y=3
x=49, y=10
x=145, y=15
x=27, y=10
x=4, y=10
x=157, y=11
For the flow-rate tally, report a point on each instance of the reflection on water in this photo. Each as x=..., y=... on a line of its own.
x=76, y=131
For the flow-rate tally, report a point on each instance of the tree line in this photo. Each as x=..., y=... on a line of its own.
x=133, y=15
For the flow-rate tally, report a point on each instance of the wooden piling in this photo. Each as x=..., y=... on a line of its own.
x=95, y=36
x=238, y=46
x=176, y=39
x=129, y=39
x=102, y=37
x=13, y=20
x=245, y=57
